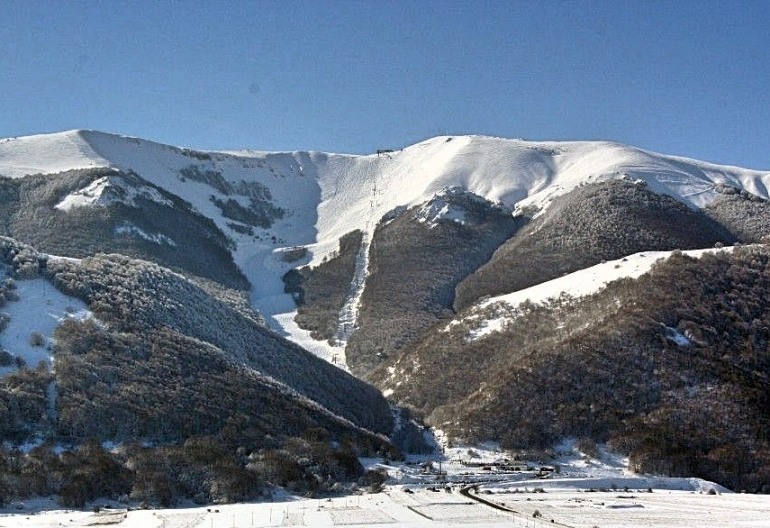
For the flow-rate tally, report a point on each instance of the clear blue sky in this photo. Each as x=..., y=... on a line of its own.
x=679, y=77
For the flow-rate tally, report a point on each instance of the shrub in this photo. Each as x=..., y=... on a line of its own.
x=36, y=339
x=6, y=358
x=321, y=292
x=375, y=480
x=294, y=254
x=595, y=222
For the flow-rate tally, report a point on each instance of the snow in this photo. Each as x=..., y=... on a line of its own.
x=425, y=491
x=39, y=310
x=334, y=353
x=292, y=183
x=440, y=209
x=326, y=196
x=585, y=492
x=349, y=312
x=108, y=190
x=677, y=337
x=423, y=508
x=89, y=195
x=577, y=284
x=129, y=230
x=47, y=154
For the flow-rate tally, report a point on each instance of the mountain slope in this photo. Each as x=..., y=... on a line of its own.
x=385, y=263
x=593, y=223
x=417, y=258
x=164, y=358
x=270, y=203
x=671, y=368
x=101, y=210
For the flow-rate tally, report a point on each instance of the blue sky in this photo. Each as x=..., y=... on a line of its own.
x=680, y=77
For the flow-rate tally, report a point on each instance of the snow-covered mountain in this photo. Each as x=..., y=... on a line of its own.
x=285, y=210
x=435, y=272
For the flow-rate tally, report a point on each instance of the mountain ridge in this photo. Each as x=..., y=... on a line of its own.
x=324, y=196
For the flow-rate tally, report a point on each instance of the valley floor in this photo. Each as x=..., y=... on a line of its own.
x=480, y=486
x=425, y=508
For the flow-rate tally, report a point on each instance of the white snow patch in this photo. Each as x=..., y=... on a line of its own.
x=47, y=154
x=439, y=210
x=578, y=284
x=39, y=310
x=422, y=508
x=677, y=337
x=349, y=313
x=108, y=190
x=332, y=353
x=128, y=230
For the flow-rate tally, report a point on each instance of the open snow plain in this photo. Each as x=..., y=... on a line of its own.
x=423, y=508
x=583, y=493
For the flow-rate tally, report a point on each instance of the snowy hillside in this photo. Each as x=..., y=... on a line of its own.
x=47, y=154
x=31, y=318
x=577, y=284
x=313, y=198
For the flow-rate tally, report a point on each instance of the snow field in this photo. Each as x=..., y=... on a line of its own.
x=424, y=508
x=107, y=190
x=39, y=310
x=47, y=154
x=637, y=508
